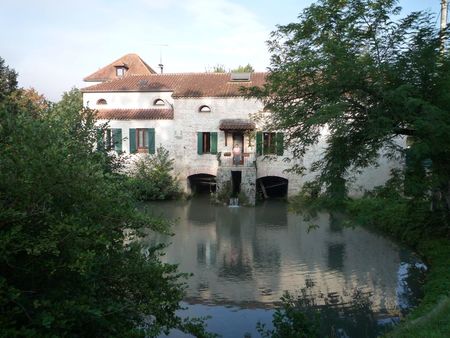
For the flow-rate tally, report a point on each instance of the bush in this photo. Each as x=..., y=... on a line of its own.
x=151, y=178
x=68, y=265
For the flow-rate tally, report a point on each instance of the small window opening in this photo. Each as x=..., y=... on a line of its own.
x=159, y=102
x=120, y=71
x=204, y=109
x=206, y=143
x=141, y=138
x=101, y=101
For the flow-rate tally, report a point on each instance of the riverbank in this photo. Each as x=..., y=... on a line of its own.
x=432, y=317
x=412, y=224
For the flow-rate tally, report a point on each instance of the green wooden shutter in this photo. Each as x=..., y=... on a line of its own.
x=259, y=143
x=280, y=144
x=213, y=138
x=117, y=139
x=132, y=141
x=100, y=142
x=199, y=143
x=151, y=140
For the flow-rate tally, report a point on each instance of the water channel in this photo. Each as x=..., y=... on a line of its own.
x=244, y=259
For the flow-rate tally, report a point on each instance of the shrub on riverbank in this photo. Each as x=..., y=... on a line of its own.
x=152, y=177
x=68, y=263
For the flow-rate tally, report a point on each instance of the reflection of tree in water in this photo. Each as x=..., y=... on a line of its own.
x=411, y=278
x=335, y=318
x=336, y=254
x=336, y=222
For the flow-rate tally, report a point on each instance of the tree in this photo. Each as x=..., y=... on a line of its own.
x=243, y=69
x=218, y=69
x=152, y=179
x=68, y=263
x=8, y=80
x=352, y=70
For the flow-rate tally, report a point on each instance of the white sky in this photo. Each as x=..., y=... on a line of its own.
x=53, y=44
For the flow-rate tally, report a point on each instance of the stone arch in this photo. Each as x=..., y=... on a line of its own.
x=272, y=186
x=201, y=183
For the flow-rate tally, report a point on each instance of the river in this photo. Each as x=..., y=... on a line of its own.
x=244, y=259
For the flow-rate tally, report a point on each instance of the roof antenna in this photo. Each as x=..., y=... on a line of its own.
x=161, y=66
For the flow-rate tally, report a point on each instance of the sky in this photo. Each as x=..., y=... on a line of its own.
x=54, y=44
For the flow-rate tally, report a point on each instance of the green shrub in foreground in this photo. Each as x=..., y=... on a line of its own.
x=152, y=179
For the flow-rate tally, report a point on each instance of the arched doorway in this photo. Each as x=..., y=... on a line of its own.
x=202, y=183
x=272, y=187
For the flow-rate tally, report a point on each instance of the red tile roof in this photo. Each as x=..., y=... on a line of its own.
x=134, y=64
x=135, y=114
x=181, y=84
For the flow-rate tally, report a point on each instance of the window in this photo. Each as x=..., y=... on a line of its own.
x=110, y=139
x=159, y=102
x=269, y=143
x=120, y=71
x=206, y=143
x=142, y=140
x=204, y=109
x=101, y=101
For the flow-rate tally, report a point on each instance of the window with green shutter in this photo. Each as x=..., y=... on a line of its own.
x=268, y=143
x=199, y=143
x=206, y=143
x=132, y=140
x=100, y=142
x=151, y=140
x=213, y=144
x=117, y=139
x=280, y=144
x=259, y=143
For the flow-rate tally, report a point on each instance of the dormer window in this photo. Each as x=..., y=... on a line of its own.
x=120, y=71
x=101, y=101
x=204, y=109
x=159, y=102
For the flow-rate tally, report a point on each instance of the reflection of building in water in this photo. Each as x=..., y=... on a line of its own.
x=242, y=256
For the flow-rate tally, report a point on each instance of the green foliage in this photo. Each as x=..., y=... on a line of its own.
x=223, y=195
x=67, y=265
x=359, y=71
x=219, y=69
x=243, y=199
x=291, y=321
x=243, y=69
x=8, y=80
x=240, y=69
x=387, y=209
x=151, y=178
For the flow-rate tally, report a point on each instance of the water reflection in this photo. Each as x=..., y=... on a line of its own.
x=250, y=256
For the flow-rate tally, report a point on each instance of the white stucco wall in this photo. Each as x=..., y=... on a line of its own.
x=122, y=100
x=179, y=136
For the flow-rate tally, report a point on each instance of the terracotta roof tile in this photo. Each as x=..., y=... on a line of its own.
x=181, y=84
x=135, y=114
x=134, y=64
x=236, y=124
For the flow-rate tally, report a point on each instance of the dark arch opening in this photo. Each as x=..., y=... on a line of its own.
x=272, y=187
x=202, y=183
